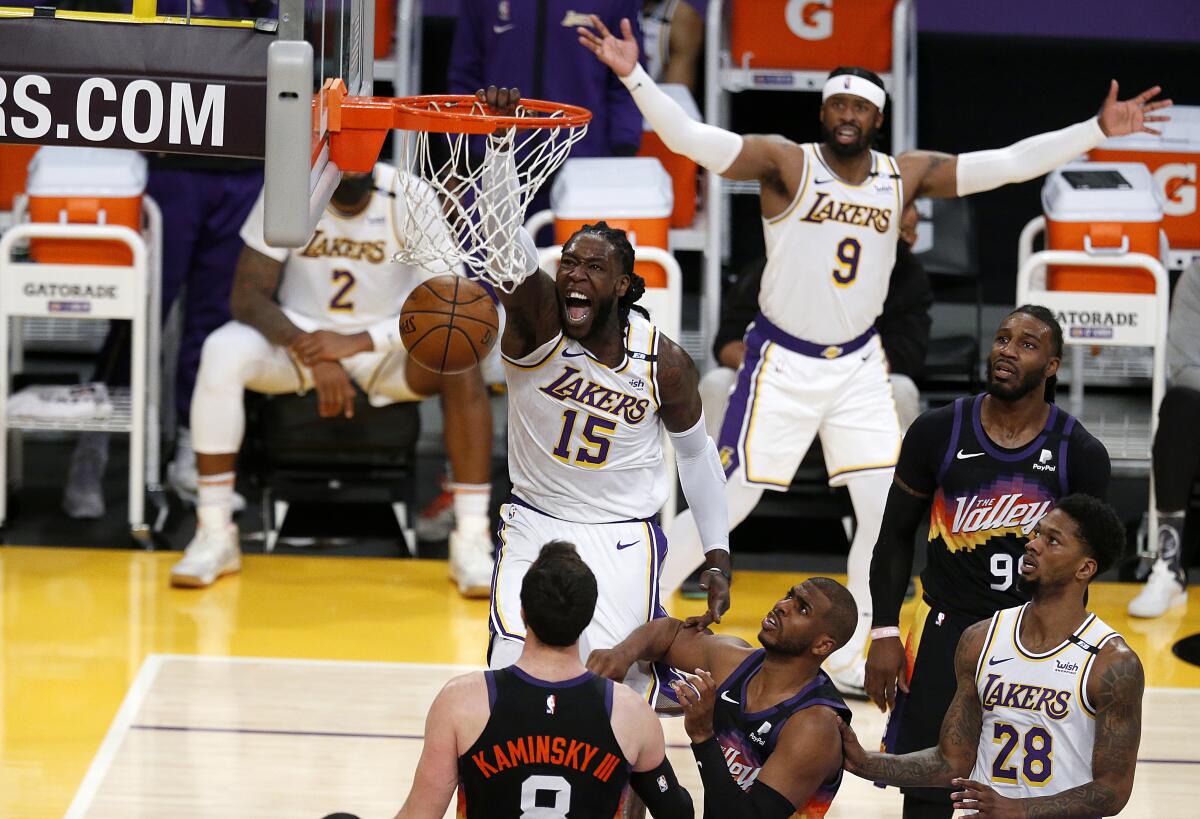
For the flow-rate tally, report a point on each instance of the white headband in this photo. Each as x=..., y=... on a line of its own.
x=859, y=87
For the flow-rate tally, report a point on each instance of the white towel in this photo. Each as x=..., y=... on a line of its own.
x=61, y=402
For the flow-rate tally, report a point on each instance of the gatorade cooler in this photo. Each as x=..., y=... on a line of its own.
x=681, y=169
x=85, y=185
x=1103, y=208
x=812, y=34
x=631, y=193
x=1172, y=159
x=14, y=166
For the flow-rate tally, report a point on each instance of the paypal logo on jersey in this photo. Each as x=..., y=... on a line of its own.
x=1043, y=464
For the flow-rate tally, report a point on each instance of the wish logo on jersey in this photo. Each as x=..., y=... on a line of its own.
x=1011, y=506
x=569, y=385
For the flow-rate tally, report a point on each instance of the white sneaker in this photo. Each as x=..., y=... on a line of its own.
x=211, y=554
x=850, y=679
x=1162, y=592
x=471, y=563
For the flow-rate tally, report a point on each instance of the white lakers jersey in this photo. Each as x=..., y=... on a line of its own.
x=830, y=254
x=344, y=279
x=583, y=439
x=1038, y=724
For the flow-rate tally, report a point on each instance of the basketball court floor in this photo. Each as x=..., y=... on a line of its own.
x=299, y=688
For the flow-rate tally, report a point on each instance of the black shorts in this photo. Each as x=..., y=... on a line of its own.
x=916, y=721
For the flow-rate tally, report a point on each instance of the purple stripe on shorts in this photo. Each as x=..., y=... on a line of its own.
x=1062, y=456
x=736, y=414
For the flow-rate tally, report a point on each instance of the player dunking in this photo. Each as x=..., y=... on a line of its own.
x=831, y=213
x=1047, y=716
x=591, y=384
x=544, y=737
x=987, y=468
x=316, y=318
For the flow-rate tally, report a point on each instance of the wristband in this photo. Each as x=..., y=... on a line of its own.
x=728, y=577
x=884, y=632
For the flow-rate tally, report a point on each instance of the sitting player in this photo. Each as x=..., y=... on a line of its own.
x=323, y=317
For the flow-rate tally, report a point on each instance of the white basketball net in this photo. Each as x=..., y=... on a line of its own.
x=478, y=197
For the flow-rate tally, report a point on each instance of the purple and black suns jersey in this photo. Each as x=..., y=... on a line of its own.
x=748, y=738
x=986, y=500
x=548, y=749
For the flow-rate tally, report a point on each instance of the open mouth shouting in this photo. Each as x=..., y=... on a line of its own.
x=847, y=134
x=578, y=307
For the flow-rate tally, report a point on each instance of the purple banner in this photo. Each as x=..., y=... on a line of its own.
x=1161, y=20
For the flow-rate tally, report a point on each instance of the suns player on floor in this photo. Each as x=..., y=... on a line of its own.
x=326, y=317
x=987, y=468
x=831, y=214
x=1047, y=716
x=765, y=736
x=544, y=737
x=592, y=383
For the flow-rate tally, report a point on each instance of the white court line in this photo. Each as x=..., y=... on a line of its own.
x=216, y=658
x=103, y=760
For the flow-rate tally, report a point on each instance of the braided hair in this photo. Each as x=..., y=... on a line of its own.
x=1046, y=317
x=620, y=243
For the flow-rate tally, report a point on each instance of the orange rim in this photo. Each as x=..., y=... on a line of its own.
x=463, y=113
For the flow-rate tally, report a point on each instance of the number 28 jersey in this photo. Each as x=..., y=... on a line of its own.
x=830, y=254
x=584, y=439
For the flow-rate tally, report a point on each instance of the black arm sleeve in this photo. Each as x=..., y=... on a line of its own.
x=725, y=799
x=892, y=560
x=1088, y=464
x=660, y=791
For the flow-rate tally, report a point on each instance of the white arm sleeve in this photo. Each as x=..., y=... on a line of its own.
x=709, y=146
x=984, y=170
x=703, y=482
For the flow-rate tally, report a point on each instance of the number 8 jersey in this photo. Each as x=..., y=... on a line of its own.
x=584, y=440
x=830, y=254
x=1038, y=724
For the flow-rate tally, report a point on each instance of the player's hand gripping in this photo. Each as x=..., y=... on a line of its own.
x=1118, y=118
x=887, y=670
x=609, y=662
x=335, y=393
x=976, y=796
x=717, y=586
x=326, y=345
x=502, y=101
x=698, y=696
x=619, y=55
x=853, y=755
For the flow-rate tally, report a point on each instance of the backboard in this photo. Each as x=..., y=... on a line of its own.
x=320, y=42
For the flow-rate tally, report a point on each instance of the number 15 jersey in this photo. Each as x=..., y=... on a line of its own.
x=830, y=254
x=584, y=440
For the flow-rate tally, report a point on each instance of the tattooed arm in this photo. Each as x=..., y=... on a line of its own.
x=253, y=300
x=954, y=755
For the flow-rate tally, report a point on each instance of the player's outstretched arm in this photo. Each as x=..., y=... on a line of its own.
x=436, y=775
x=929, y=173
x=1115, y=685
x=954, y=755
x=724, y=152
x=700, y=472
x=255, y=281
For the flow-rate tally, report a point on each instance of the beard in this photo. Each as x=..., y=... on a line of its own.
x=865, y=140
x=1014, y=392
x=1028, y=586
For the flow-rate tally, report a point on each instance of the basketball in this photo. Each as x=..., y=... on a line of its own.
x=449, y=324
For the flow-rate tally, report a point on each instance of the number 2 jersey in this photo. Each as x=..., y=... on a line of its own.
x=1038, y=724
x=986, y=499
x=584, y=439
x=748, y=738
x=547, y=750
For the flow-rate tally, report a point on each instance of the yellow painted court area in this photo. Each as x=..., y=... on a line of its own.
x=77, y=627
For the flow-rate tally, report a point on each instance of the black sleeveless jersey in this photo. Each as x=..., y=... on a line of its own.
x=988, y=499
x=547, y=745
x=747, y=738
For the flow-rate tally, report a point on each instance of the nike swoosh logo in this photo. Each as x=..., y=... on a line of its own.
x=962, y=456
x=725, y=696
x=502, y=29
x=569, y=354
x=994, y=661
x=626, y=545
x=822, y=181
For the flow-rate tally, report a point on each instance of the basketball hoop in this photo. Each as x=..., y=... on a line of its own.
x=446, y=144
